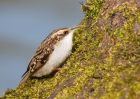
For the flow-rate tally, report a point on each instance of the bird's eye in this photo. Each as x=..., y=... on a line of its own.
x=65, y=32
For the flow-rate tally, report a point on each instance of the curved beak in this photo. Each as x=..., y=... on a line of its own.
x=73, y=28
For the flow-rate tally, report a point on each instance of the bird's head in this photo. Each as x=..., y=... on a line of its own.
x=63, y=31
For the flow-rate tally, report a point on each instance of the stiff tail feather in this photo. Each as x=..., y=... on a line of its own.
x=25, y=77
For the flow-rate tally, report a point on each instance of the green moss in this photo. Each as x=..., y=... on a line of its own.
x=105, y=60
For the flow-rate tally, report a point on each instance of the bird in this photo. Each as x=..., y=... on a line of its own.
x=51, y=53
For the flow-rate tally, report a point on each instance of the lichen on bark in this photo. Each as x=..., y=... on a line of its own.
x=105, y=62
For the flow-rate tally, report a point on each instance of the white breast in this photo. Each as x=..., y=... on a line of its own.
x=61, y=51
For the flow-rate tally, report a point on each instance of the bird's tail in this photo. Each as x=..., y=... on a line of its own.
x=25, y=77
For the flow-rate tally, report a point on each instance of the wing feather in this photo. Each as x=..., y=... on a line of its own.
x=41, y=56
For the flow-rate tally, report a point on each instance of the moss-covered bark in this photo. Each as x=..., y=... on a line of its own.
x=105, y=62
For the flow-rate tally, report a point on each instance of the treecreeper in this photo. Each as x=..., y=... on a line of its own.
x=52, y=52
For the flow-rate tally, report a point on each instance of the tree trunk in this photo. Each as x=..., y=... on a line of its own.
x=105, y=62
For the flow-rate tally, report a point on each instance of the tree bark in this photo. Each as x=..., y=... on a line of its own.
x=105, y=62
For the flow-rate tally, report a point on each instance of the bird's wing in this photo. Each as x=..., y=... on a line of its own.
x=41, y=56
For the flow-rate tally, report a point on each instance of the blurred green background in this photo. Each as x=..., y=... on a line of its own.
x=23, y=25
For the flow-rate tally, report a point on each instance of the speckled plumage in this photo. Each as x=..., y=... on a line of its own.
x=47, y=58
